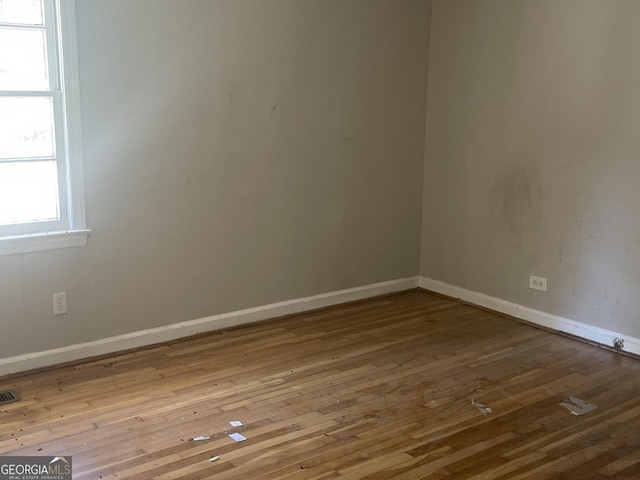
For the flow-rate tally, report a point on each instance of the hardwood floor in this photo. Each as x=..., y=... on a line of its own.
x=379, y=389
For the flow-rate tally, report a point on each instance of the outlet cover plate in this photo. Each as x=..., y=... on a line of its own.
x=538, y=283
x=59, y=303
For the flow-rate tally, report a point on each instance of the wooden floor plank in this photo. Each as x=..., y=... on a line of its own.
x=375, y=389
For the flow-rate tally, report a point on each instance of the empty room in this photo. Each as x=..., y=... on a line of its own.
x=319, y=239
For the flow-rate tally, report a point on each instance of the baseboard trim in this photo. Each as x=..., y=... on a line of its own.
x=142, y=338
x=537, y=317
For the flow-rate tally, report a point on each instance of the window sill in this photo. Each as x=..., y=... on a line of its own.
x=43, y=241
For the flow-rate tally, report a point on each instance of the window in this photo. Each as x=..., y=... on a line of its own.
x=41, y=188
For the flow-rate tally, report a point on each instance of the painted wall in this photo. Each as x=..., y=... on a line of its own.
x=533, y=154
x=237, y=153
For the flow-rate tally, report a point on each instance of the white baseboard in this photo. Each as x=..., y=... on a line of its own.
x=547, y=320
x=30, y=361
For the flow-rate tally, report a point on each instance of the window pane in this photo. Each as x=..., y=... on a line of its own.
x=23, y=61
x=21, y=11
x=26, y=127
x=28, y=192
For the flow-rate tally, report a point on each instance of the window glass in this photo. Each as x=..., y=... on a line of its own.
x=23, y=59
x=26, y=127
x=21, y=11
x=28, y=192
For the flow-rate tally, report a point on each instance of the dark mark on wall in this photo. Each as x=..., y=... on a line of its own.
x=515, y=200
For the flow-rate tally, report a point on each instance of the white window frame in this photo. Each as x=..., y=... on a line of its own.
x=71, y=229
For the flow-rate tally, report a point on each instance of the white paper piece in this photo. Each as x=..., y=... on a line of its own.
x=235, y=423
x=577, y=406
x=483, y=408
x=237, y=437
x=214, y=459
x=200, y=438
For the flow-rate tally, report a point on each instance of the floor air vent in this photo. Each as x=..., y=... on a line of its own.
x=9, y=396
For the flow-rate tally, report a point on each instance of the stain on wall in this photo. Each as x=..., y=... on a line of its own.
x=514, y=200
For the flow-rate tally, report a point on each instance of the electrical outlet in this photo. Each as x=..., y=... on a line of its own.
x=538, y=283
x=60, y=303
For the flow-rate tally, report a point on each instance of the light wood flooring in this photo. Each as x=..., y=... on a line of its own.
x=378, y=389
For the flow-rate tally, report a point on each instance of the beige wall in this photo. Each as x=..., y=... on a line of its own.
x=237, y=153
x=533, y=154
x=243, y=152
